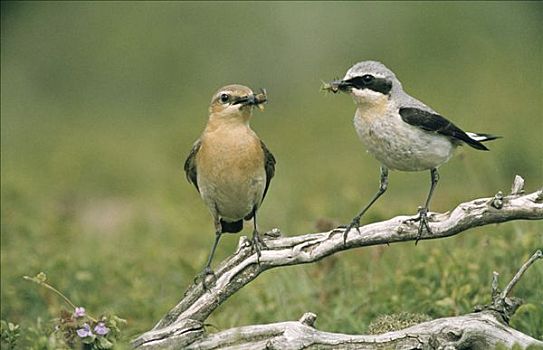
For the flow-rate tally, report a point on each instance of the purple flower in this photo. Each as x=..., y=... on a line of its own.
x=85, y=331
x=79, y=312
x=101, y=329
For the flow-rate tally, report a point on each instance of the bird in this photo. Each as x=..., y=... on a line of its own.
x=401, y=132
x=230, y=166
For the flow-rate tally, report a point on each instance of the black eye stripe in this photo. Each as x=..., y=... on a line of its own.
x=367, y=81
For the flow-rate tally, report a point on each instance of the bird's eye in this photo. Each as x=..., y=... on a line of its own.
x=224, y=98
x=367, y=78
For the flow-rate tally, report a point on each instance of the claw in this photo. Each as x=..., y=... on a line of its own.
x=258, y=245
x=354, y=224
x=203, y=275
x=423, y=218
x=423, y=223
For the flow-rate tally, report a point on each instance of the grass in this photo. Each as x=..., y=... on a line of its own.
x=94, y=195
x=133, y=249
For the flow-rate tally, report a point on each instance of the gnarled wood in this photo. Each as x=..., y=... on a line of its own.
x=183, y=324
x=472, y=331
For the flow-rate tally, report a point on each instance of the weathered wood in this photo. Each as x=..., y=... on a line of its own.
x=182, y=325
x=472, y=331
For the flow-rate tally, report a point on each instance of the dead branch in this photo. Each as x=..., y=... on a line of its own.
x=183, y=325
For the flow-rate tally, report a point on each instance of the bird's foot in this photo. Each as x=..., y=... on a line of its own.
x=354, y=224
x=258, y=245
x=423, y=223
x=202, y=276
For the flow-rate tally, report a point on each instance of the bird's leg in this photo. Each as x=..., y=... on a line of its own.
x=383, y=184
x=258, y=243
x=207, y=269
x=423, y=212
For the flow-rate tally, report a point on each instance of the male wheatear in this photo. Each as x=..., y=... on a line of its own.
x=399, y=130
x=230, y=166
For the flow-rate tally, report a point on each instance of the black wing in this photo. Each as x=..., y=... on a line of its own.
x=269, y=165
x=435, y=123
x=190, y=165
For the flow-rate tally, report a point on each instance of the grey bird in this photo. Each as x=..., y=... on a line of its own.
x=400, y=131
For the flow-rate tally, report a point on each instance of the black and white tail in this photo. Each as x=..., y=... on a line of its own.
x=478, y=138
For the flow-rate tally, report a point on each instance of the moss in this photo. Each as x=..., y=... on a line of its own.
x=394, y=322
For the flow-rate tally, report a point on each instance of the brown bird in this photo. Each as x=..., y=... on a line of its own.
x=230, y=166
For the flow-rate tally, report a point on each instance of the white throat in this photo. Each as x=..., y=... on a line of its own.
x=367, y=97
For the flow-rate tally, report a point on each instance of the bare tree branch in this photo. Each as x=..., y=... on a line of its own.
x=518, y=275
x=472, y=331
x=504, y=305
x=183, y=324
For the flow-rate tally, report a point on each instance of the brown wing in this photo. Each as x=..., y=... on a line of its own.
x=190, y=165
x=269, y=165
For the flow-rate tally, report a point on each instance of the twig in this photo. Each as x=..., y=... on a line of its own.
x=503, y=305
x=495, y=287
x=505, y=293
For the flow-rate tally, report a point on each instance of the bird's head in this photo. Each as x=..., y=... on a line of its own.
x=367, y=82
x=235, y=102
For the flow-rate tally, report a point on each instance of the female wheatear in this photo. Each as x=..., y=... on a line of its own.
x=230, y=166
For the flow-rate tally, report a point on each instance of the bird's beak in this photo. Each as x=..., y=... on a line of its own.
x=338, y=85
x=253, y=99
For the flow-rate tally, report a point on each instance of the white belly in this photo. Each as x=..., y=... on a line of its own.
x=398, y=145
x=233, y=199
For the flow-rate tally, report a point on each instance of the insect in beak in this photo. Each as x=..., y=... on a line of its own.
x=261, y=98
x=336, y=85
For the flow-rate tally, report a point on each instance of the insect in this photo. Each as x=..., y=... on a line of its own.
x=332, y=86
x=261, y=98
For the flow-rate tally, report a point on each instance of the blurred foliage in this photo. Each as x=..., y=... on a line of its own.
x=10, y=334
x=101, y=102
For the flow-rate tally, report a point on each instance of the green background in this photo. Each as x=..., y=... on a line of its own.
x=101, y=102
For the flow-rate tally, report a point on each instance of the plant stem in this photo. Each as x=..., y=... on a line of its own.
x=57, y=292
